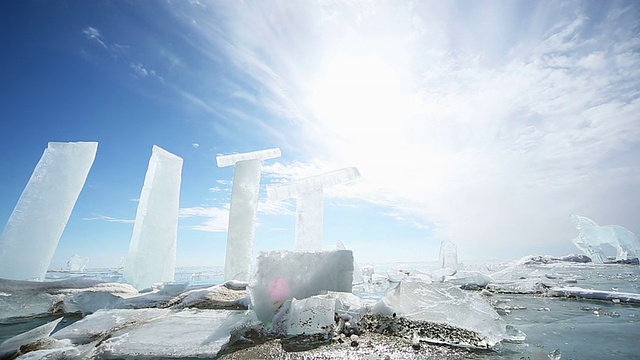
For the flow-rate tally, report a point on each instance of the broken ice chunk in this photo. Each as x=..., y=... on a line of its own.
x=429, y=306
x=592, y=238
x=231, y=160
x=312, y=315
x=283, y=275
x=448, y=255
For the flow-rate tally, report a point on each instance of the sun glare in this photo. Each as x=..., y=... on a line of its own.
x=359, y=98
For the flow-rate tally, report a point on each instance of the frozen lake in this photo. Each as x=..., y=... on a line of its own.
x=578, y=328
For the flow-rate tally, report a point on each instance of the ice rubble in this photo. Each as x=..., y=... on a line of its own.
x=242, y=213
x=440, y=313
x=309, y=208
x=592, y=238
x=283, y=275
x=13, y=344
x=152, y=251
x=43, y=209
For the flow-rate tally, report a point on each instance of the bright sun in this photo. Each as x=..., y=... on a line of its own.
x=359, y=98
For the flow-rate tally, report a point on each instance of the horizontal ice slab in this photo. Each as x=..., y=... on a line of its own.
x=31, y=235
x=283, y=275
x=230, y=160
x=295, y=188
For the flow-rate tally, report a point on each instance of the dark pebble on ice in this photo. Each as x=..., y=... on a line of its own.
x=354, y=343
x=416, y=346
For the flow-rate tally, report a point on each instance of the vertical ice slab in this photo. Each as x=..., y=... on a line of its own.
x=448, y=255
x=152, y=251
x=31, y=235
x=242, y=213
x=309, y=208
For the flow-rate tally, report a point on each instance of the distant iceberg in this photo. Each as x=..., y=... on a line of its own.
x=592, y=238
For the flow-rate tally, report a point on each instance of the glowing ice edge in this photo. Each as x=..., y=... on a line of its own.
x=296, y=188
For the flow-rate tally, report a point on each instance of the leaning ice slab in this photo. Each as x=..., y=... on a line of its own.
x=152, y=251
x=283, y=275
x=242, y=213
x=230, y=160
x=42, y=212
x=592, y=237
x=309, y=207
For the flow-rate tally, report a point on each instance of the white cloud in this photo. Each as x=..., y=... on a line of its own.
x=195, y=145
x=108, y=218
x=217, y=218
x=93, y=34
x=494, y=131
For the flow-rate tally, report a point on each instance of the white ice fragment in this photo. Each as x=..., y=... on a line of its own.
x=152, y=251
x=42, y=212
x=230, y=160
x=592, y=238
x=283, y=275
x=448, y=255
x=309, y=208
x=13, y=344
x=577, y=292
x=77, y=264
x=242, y=213
x=312, y=315
x=445, y=304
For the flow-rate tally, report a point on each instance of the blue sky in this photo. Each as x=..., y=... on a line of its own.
x=484, y=122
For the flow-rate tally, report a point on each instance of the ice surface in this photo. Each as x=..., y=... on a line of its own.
x=152, y=252
x=230, y=160
x=592, y=237
x=312, y=315
x=448, y=255
x=444, y=304
x=242, y=220
x=42, y=212
x=77, y=264
x=13, y=344
x=283, y=275
x=309, y=207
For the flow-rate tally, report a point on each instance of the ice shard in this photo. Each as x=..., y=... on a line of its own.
x=309, y=208
x=77, y=264
x=592, y=238
x=33, y=230
x=152, y=251
x=448, y=255
x=242, y=213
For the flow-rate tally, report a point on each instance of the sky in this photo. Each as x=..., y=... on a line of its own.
x=486, y=123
